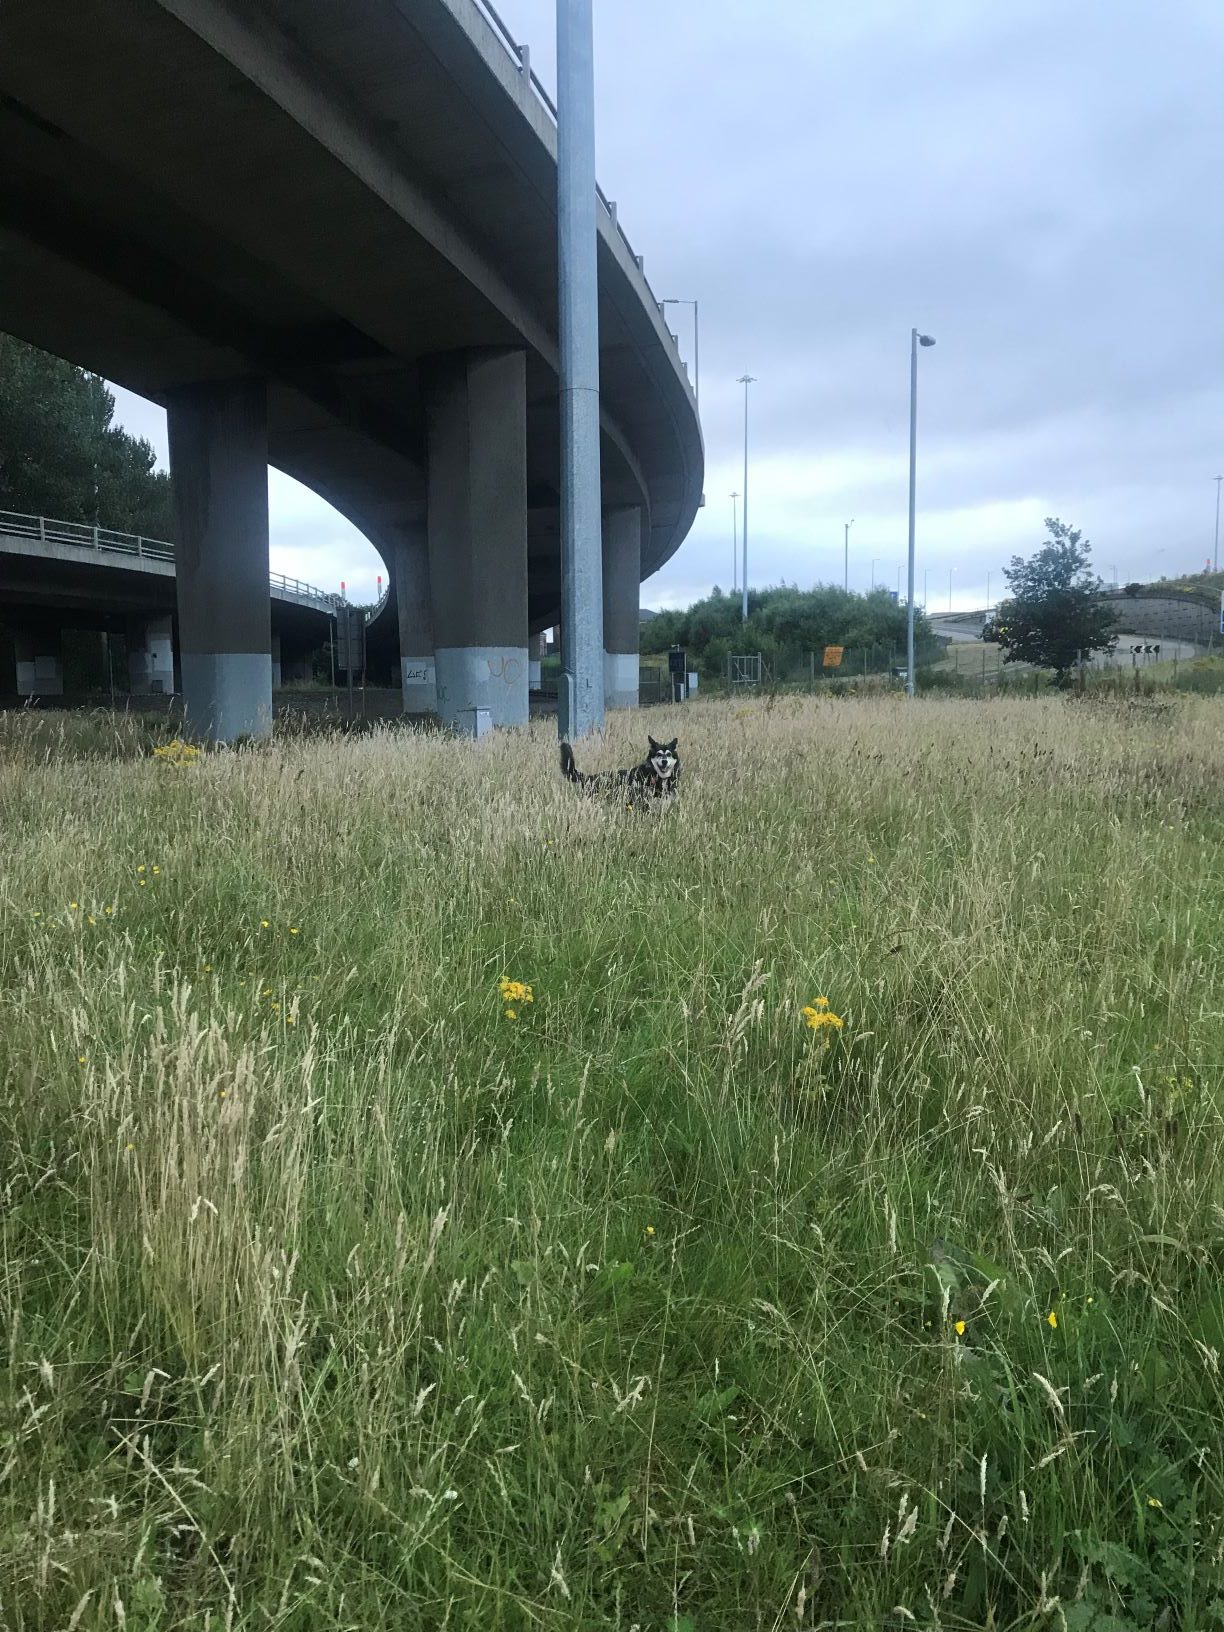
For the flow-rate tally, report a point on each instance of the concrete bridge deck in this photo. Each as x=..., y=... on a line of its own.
x=322, y=233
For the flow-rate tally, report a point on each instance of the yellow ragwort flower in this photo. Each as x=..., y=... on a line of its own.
x=650, y=1229
x=264, y=923
x=511, y=1014
x=142, y=868
x=80, y=1059
x=295, y=932
x=72, y=905
x=1052, y=1321
x=819, y=1017
x=959, y=1328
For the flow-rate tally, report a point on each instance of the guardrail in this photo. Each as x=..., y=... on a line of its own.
x=521, y=55
x=107, y=541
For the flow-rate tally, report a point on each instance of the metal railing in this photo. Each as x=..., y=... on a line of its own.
x=107, y=541
x=521, y=56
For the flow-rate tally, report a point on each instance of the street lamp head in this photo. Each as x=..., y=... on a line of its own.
x=926, y=340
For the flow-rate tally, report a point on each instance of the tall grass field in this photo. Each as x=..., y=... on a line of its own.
x=430, y=1198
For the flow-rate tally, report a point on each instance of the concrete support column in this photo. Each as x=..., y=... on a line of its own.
x=476, y=409
x=219, y=459
x=277, y=678
x=535, y=661
x=40, y=668
x=622, y=578
x=414, y=605
x=151, y=656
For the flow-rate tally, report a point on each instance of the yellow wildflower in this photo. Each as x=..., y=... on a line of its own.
x=141, y=868
x=72, y=906
x=108, y=911
x=511, y=1014
x=129, y=1147
x=142, y=882
x=515, y=991
x=295, y=932
x=157, y=869
x=177, y=753
x=650, y=1229
x=1052, y=1321
x=1154, y=1501
x=819, y=1017
x=959, y=1328
x=265, y=923
x=80, y=1059
x=90, y=919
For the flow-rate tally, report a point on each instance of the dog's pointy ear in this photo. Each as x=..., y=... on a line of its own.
x=653, y=744
x=671, y=746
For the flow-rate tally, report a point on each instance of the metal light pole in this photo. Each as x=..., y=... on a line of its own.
x=926, y=572
x=745, y=380
x=734, y=545
x=874, y=559
x=1215, y=556
x=846, y=583
x=696, y=347
x=951, y=570
x=581, y=700
x=916, y=340
x=987, y=594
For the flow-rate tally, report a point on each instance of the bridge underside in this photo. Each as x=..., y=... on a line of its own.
x=328, y=203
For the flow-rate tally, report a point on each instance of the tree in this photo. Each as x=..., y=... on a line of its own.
x=60, y=454
x=1055, y=611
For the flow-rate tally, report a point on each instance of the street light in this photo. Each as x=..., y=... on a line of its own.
x=926, y=572
x=846, y=584
x=745, y=380
x=916, y=340
x=581, y=701
x=696, y=347
x=874, y=559
x=734, y=545
x=1215, y=558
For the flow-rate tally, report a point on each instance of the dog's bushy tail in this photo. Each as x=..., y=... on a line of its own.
x=568, y=769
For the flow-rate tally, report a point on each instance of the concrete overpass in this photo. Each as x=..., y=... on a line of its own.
x=322, y=233
x=63, y=574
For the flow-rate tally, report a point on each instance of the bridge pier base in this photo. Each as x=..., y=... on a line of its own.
x=413, y=604
x=622, y=570
x=151, y=656
x=40, y=666
x=219, y=459
x=476, y=408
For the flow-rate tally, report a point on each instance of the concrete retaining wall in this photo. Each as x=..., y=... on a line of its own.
x=1165, y=618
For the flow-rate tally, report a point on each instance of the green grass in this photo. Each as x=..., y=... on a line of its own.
x=336, y=1299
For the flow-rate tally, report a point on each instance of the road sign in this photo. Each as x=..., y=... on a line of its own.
x=833, y=656
x=677, y=662
x=350, y=639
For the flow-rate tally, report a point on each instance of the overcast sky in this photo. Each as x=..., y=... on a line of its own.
x=1035, y=183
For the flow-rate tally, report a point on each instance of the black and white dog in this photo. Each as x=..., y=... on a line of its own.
x=656, y=776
